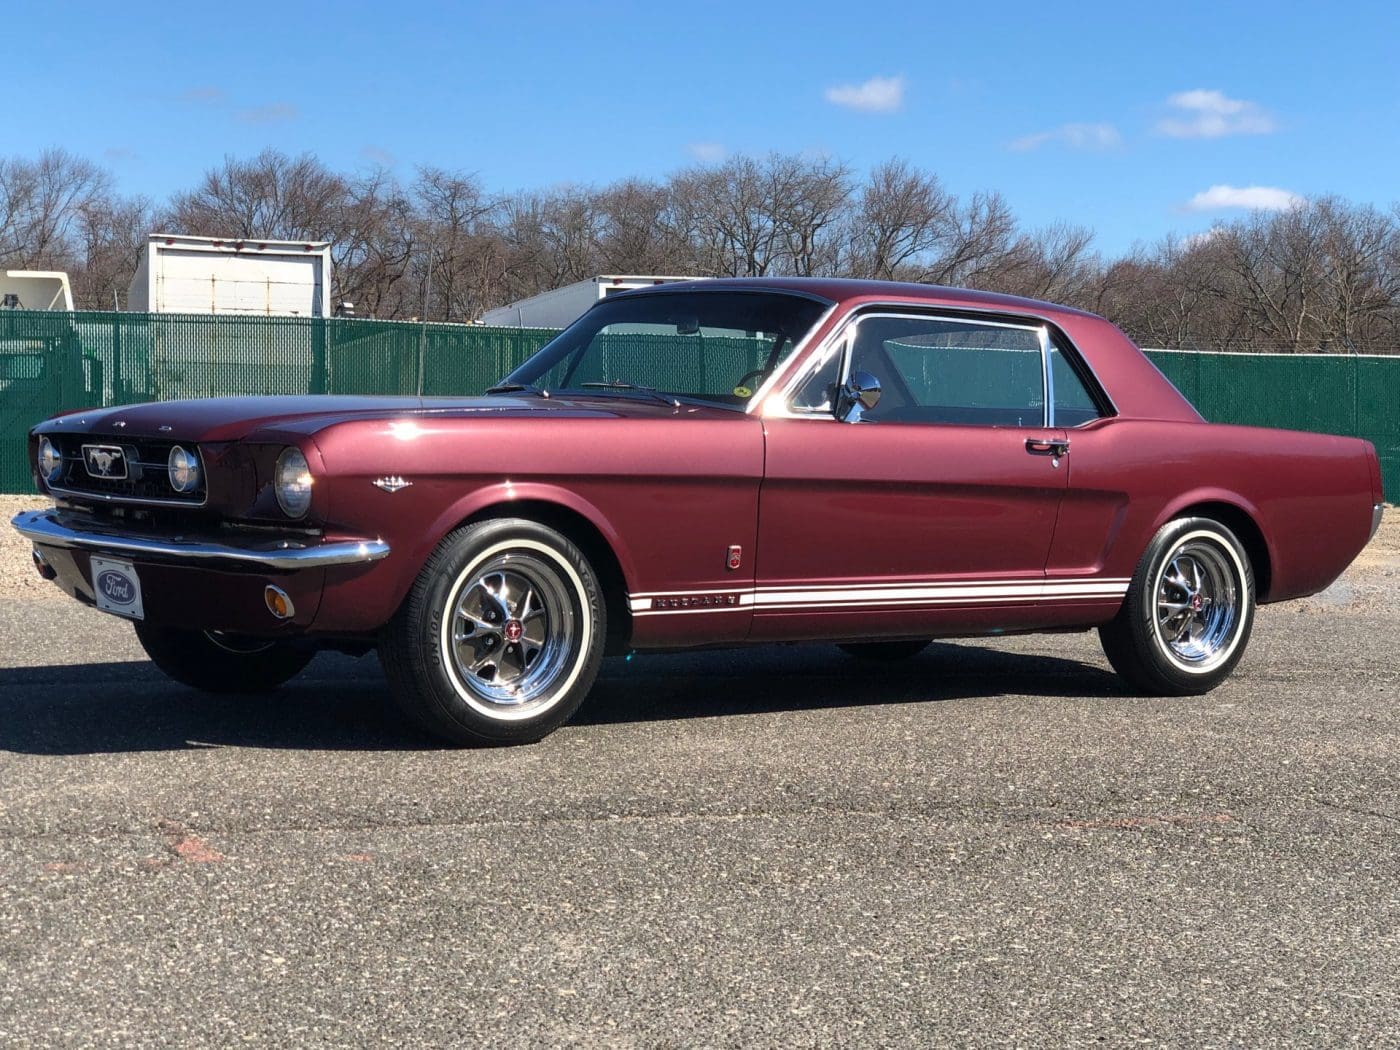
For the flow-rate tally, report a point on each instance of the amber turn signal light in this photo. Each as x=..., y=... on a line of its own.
x=279, y=603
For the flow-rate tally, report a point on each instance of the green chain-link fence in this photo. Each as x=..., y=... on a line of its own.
x=51, y=362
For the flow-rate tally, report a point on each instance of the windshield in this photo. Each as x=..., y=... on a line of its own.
x=708, y=346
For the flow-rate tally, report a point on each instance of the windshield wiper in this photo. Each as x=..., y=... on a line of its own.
x=516, y=388
x=619, y=384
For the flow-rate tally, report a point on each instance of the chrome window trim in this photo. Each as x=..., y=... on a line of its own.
x=841, y=339
x=754, y=406
x=781, y=409
x=1047, y=380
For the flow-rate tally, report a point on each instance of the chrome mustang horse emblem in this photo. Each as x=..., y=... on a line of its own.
x=105, y=461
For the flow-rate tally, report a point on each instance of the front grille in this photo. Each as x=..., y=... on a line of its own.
x=146, y=462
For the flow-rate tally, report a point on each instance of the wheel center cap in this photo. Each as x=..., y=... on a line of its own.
x=1197, y=603
x=513, y=631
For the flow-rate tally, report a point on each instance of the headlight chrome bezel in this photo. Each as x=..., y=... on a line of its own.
x=184, y=471
x=50, y=452
x=292, y=482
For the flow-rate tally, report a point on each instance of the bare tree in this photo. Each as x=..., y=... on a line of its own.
x=42, y=203
x=899, y=220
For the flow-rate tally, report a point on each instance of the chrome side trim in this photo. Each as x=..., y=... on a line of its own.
x=49, y=528
x=1377, y=512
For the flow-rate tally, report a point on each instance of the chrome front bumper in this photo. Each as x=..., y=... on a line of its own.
x=1376, y=512
x=52, y=528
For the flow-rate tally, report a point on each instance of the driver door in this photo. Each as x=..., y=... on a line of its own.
x=934, y=513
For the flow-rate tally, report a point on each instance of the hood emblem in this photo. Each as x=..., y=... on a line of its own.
x=105, y=461
x=392, y=483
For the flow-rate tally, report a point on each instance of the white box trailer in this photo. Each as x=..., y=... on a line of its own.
x=209, y=275
x=561, y=307
x=35, y=290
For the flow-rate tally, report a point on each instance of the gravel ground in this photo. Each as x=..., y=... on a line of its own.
x=989, y=845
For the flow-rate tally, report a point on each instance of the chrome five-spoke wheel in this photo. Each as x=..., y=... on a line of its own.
x=1197, y=603
x=512, y=626
x=501, y=635
x=1188, y=612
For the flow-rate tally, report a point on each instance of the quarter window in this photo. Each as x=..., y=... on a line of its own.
x=1074, y=404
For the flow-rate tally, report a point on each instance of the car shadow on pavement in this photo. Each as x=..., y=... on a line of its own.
x=813, y=677
x=341, y=703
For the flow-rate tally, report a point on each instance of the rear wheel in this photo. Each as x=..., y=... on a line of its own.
x=221, y=663
x=886, y=652
x=500, y=637
x=1189, y=611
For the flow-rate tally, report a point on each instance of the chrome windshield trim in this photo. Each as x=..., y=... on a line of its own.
x=755, y=404
x=50, y=528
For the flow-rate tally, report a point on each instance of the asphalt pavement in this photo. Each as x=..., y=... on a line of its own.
x=991, y=844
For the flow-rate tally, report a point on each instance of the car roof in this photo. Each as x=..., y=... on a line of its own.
x=844, y=289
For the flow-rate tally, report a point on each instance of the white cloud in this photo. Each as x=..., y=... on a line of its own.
x=378, y=155
x=272, y=113
x=1202, y=238
x=876, y=95
x=1075, y=136
x=208, y=94
x=707, y=152
x=1204, y=114
x=1255, y=198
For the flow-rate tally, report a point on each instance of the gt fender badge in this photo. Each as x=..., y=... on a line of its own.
x=392, y=483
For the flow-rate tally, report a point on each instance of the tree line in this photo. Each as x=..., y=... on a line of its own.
x=1322, y=276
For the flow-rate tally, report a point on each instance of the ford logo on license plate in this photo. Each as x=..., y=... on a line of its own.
x=116, y=588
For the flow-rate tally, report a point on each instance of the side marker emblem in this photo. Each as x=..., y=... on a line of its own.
x=392, y=483
x=735, y=557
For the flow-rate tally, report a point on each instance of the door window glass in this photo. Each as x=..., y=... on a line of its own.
x=945, y=370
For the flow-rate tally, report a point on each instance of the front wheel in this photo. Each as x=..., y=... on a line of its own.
x=1188, y=612
x=221, y=663
x=500, y=637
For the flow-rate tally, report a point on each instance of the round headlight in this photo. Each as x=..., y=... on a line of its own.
x=293, y=483
x=183, y=468
x=50, y=461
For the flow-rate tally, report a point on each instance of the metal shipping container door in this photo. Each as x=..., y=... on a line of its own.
x=199, y=282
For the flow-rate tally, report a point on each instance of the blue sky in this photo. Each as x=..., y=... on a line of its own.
x=1133, y=120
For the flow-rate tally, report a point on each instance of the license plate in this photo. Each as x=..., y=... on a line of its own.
x=117, y=588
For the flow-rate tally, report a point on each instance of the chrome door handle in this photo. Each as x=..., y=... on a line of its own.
x=1042, y=447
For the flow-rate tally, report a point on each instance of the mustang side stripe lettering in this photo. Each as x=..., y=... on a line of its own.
x=873, y=594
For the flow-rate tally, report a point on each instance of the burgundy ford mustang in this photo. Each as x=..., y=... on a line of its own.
x=717, y=463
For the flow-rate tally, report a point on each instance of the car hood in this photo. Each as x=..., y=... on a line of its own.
x=235, y=418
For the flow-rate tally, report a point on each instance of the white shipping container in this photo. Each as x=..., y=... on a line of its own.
x=207, y=275
x=561, y=307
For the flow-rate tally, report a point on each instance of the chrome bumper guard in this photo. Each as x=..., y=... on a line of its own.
x=51, y=528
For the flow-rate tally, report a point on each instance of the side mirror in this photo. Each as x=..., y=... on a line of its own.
x=859, y=396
